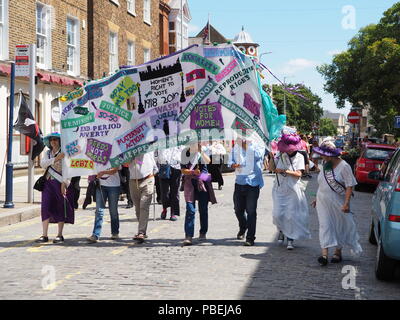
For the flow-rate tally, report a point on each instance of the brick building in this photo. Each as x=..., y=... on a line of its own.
x=58, y=27
x=121, y=33
x=77, y=40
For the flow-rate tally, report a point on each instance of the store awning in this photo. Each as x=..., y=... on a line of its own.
x=45, y=77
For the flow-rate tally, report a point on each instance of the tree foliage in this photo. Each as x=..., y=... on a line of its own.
x=368, y=73
x=301, y=113
x=327, y=127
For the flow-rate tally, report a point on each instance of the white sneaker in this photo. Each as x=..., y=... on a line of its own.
x=290, y=245
x=281, y=237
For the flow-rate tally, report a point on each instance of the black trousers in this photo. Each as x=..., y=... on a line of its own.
x=125, y=176
x=215, y=169
x=245, y=198
x=158, y=188
x=170, y=191
x=77, y=190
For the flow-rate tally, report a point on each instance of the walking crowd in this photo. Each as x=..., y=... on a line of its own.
x=192, y=169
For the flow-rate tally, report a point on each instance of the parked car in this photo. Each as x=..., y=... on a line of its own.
x=371, y=159
x=385, y=222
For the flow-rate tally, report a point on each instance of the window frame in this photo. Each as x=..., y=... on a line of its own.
x=144, y=55
x=147, y=13
x=133, y=3
x=391, y=168
x=133, y=52
x=4, y=30
x=76, y=63
x=111, y=54
x=47, y=50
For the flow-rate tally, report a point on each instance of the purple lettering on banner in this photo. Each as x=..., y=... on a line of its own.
x=165, y=113
x=68, y=108
x=98, y=151
x=101, y=114
x=251, y=105
x=227, y=70
x=207, y=116
x=133, y=137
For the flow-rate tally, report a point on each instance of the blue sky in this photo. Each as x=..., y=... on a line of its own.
x=300, y=34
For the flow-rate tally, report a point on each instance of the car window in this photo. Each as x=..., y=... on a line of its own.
x=377, y=154
x=393, y=167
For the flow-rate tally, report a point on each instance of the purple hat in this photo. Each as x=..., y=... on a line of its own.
x=289, y=143
x=328, y=149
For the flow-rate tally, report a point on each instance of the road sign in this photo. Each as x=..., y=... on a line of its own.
x=22, y=60
x=353, y=117
x=397, y=122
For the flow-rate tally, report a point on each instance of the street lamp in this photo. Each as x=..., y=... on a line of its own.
x=269, y=52
x=259, y=59
x=284, y=94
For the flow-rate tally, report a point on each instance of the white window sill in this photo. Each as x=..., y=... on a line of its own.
x=132, y=13
x=115, y=2
x=73, y=74
x=148, y=23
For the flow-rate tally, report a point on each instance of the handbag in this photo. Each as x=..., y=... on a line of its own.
x=165, y=171
x=39, y=184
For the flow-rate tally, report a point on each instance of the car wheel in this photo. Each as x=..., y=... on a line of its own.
x=372, y=238
x=358, y=187
x=384, y=266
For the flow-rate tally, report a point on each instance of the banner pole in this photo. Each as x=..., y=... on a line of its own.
x=32, y=100
x=9, y=166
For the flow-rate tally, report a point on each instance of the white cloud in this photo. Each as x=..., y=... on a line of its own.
x=296, y=65
x=334, y=52
x=193, y=29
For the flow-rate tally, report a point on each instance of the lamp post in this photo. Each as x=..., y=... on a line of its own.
x=284, y=94
x=259, y=59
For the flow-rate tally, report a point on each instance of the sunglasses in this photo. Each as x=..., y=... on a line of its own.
x=53, y=139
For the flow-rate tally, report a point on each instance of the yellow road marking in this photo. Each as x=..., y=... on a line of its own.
x=54, y=285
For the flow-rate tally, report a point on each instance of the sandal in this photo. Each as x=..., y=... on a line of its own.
x=323, y=260
x=336, y=258
x=140, y=237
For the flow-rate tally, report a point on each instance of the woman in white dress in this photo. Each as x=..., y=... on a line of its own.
x=290, y=209
x=336, y=224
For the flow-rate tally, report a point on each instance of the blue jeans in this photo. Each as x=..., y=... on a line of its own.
x=111, y=194
x=190, y=215
x=245, y=199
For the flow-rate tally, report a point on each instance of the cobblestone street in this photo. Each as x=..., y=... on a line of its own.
x=160, y=268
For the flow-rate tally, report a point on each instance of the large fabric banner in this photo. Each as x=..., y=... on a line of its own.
x=197, y=94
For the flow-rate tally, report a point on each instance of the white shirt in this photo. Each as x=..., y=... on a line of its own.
x=171, y=156
x=217, y=149
x=143, y=166
x=111, y=180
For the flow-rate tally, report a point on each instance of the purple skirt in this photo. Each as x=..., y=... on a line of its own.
x=55, y=207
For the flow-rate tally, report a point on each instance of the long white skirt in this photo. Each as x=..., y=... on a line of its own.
x=290, y=212
x=336, y=228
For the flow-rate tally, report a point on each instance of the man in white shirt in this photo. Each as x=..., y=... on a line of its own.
x=141, y=184
x=170, y=162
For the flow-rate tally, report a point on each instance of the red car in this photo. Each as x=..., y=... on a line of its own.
x=371, y=159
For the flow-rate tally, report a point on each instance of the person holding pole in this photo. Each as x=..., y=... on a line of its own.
x=108, y=187
x=58, y=194
x=290, y=209
x=141, y=185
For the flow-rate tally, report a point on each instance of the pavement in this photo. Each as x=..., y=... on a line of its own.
x=22, y=209
x=220, y=268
